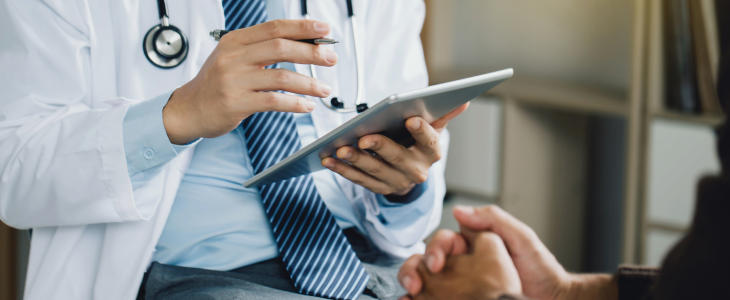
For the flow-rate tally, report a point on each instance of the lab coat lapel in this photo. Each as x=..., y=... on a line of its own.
x=136, y=241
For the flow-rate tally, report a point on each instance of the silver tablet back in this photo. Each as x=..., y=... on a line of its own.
x=387, y=117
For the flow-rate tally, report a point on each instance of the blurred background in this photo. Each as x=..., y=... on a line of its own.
x=597, y=142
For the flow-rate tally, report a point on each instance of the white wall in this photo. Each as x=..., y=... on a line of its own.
x=473, y=165
x=681, y=153
x=573, y=40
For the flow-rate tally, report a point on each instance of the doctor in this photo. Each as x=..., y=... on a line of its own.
x=130, y=174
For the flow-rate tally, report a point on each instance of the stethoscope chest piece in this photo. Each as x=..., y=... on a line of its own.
x=165, y=46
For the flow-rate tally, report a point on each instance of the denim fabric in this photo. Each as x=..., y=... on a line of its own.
x=265, y=280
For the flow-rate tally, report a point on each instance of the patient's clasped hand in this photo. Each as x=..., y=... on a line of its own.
x=495, y=255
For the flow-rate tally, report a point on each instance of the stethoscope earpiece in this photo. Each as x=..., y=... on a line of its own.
x=165, y=45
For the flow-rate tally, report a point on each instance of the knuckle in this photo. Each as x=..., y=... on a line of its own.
x=355, y=156
x=374, y=170
x=317, y=52
x=221, y=63
x=271, y=99
x=313, y=86
x=406, y=185
x=377, y=141
x=399, y=157
x=278, y=46
x=304, y=26
x=274, y=28
x=421, y=176
x=338, y=168
x=299, y=104
x=227, y=101
x=433, y=142
x=488, y=238
x=492, y=210
x=282, y=76
x=399, y=186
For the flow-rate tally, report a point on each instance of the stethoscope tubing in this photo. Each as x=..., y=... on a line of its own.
x=159, y=58
x=359, y=106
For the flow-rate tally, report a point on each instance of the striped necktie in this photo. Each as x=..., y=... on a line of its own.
x=318, y=257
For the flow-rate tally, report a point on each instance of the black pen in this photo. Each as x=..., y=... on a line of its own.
x=219, y=33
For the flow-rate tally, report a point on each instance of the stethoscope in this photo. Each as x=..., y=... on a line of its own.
x=335, y=103
x=166, y=46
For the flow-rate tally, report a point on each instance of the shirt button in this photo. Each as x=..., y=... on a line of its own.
x=149, y=153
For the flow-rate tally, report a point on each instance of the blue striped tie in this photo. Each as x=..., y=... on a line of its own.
x=318, y=257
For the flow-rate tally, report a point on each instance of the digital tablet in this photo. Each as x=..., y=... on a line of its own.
x=388, y=118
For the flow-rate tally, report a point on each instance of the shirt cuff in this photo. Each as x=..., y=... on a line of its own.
x=635, y=282
x=422, y=202
x=146, y=144
x=415, y=192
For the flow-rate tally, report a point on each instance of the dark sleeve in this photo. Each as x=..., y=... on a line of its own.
x=512, y=297
x=634, y=282
x=414, y=194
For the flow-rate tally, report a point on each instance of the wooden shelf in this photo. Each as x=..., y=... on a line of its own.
x=562, y=96
x=713, y=120
x=666, y=226
x=553, y=94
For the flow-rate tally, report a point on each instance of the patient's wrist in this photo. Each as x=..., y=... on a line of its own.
x=593, y=286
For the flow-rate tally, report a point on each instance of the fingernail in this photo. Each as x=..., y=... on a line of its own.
x=330, y=56
x=309, y=105
x=325, y=88
x=348, y=154
x=328, y=163
x=431, y=263
x=320, y=27
x=415, y=124
x=464, y=209
x=406, y=282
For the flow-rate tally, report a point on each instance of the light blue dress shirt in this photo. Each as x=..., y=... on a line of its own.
x=216, y=223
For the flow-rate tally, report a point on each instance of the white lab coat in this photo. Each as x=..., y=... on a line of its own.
x=68, y=72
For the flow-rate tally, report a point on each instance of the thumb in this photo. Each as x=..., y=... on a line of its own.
x=517, y=236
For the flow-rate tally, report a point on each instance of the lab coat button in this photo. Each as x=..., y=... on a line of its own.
x=149, y=153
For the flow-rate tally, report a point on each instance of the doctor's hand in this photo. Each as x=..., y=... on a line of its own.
x=395, y=169
x=232, y=84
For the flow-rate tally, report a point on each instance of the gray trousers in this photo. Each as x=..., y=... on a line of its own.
x=266, y=280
